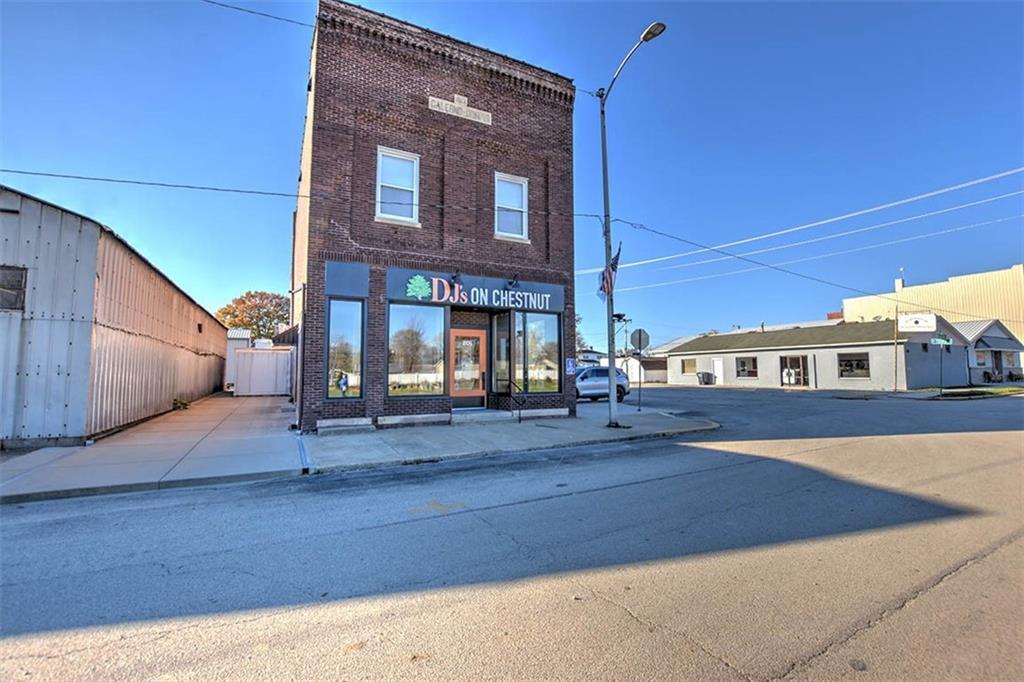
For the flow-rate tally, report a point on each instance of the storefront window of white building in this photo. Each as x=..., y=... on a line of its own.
x=854, y=366
x=511, y=216
x=345, y=349
x=415, y=350
x=746, y=368
x=398, y=185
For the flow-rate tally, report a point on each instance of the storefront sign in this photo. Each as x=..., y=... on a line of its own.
x=916, y=322
x=476, y=292
x=570, y=366
x=460, y=107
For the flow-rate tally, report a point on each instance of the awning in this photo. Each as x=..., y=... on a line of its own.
x=998, y=343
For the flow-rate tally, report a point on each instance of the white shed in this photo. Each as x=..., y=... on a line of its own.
x=237, y=338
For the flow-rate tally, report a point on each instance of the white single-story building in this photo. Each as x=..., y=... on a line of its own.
x=649, y=370
x=855, y=356
x=994, y=354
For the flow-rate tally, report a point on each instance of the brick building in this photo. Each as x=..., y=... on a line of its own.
x=433, y=240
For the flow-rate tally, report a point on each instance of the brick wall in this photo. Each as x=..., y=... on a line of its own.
x=373, y=77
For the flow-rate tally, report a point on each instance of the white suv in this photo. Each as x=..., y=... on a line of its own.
x=592, y=382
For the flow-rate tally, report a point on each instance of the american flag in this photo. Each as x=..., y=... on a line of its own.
x=606, y=280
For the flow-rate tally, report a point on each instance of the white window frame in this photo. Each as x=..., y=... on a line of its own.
x=525, y=182
x=381, y=215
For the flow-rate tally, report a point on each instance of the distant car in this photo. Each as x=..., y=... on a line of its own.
x=592, y=382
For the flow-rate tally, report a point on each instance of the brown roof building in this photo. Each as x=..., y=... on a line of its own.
x=433, y=241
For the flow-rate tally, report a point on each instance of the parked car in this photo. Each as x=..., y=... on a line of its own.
x=592, y=382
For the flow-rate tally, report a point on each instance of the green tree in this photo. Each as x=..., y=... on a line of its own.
x=258, y=311
x=581, y=344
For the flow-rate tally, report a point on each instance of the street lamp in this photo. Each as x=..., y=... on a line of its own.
x=649, y=34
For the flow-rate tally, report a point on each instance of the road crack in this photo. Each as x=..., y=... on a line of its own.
x=651, y=626
x=902, y=603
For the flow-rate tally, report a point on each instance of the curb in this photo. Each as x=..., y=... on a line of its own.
x=308, y=467
x=42, y=495
x=709, y=425
x=976, y=397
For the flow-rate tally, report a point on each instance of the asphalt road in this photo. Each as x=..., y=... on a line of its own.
x=811, y=537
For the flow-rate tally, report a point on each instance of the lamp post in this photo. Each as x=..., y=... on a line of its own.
x=652, y=32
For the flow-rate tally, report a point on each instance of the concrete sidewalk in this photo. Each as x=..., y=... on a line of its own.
x=388, y=447
x=223, y=439
x=216, y=440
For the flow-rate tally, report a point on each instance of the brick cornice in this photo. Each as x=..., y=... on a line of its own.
x=389, y=33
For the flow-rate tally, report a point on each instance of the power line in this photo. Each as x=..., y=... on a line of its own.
x=288, y=195
x=819, y=256
x=817, y=223
x=151, y=183
x=813, y=278
x=847, y=233
x=259, y=14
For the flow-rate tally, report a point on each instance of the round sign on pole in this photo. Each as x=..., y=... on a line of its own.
x=640, y=339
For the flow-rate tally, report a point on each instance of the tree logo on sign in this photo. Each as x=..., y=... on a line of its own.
x=417, y=287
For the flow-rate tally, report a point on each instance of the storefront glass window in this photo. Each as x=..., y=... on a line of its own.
x=542, y=368
x=854, y=366
x=537, y=357
x=502, y=352
x=519, y=353
x=345, y=350
x=981, y=358
x=415, y=350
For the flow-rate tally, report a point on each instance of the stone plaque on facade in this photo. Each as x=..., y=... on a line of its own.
x=460, y=107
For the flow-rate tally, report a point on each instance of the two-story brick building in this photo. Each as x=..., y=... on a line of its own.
x=433, y=239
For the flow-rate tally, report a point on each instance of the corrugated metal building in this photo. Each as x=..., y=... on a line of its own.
x=992, y=295
x=92, y=336
x=854, y=356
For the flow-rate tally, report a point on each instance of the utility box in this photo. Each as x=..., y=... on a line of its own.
x=261, y=371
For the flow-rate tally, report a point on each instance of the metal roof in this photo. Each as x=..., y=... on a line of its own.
x=239, y=333
x=973, y=329
x=999, y=343
x=819, y=335
x=109, y=230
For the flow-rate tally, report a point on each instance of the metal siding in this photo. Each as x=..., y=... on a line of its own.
x=994, y=295
x=147, y=349
x=44, y=350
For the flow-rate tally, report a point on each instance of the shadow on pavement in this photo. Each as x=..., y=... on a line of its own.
x=311, y=547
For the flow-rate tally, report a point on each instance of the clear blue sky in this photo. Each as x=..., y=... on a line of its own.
x=741, y=119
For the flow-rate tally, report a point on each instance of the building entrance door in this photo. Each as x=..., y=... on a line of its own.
x=467, y=367
x=794, y=370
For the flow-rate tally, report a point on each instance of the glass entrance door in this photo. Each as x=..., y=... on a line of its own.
x=794, y=370
x=467, y=364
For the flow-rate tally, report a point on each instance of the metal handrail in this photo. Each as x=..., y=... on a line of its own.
x=520, y=401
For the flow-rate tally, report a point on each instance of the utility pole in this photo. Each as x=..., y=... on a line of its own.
x=652, y=32
x=895, y=337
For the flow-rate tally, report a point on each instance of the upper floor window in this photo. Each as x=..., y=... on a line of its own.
x=511, y=217
x=398, y=185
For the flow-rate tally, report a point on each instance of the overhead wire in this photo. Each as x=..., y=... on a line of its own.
x=859, y=230
x=817, y=223
x=813, y=278
x=287, y=195
x=257, y=13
